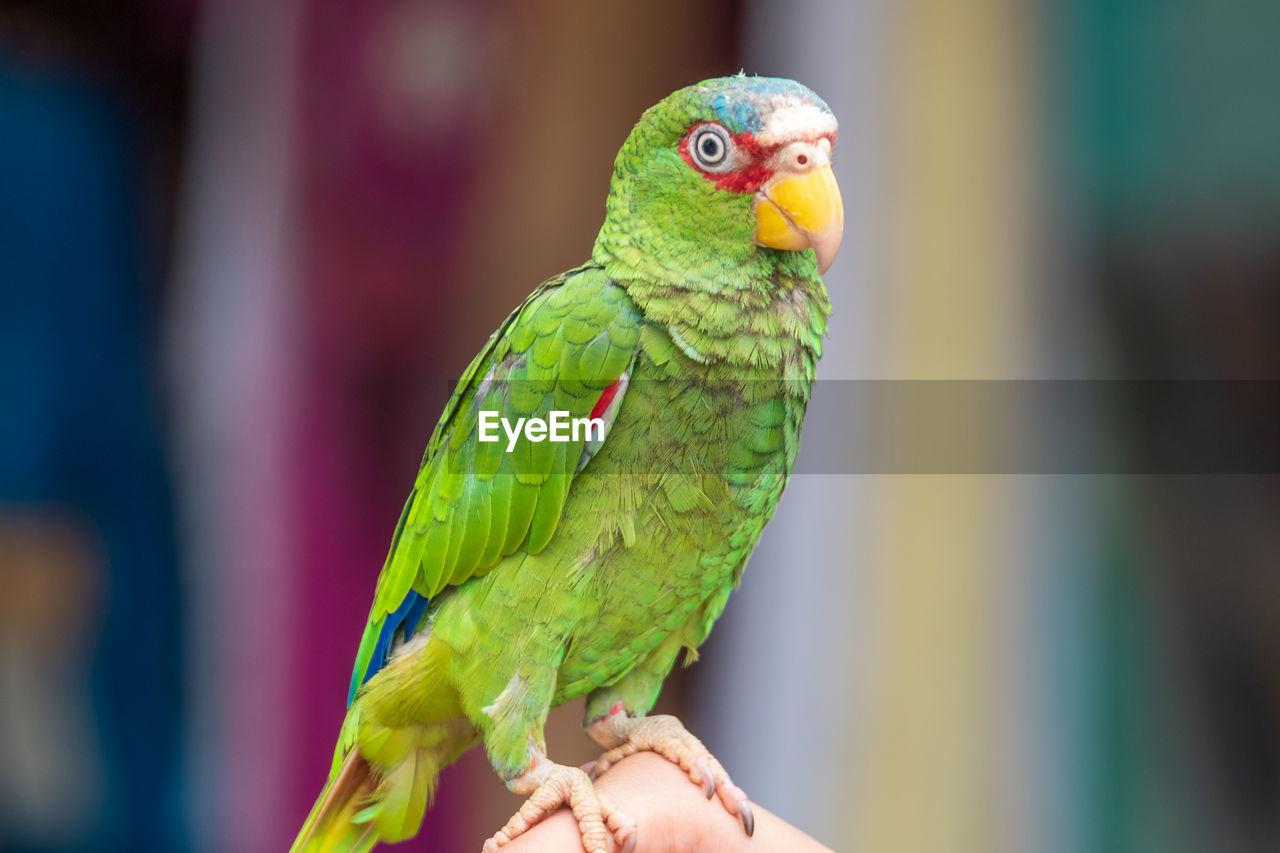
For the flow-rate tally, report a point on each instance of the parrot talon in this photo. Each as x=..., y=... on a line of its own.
x=597, y=816
x=708, y=780
x=748, y=818
x=668, y=737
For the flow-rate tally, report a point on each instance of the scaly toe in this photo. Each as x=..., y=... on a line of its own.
x=624, y=829
x=734, y=800
x=598, y=818
x=668, y=737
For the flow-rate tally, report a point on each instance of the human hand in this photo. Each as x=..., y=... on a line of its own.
x=673, y=816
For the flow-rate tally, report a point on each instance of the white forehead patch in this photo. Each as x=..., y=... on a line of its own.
x=788, y=118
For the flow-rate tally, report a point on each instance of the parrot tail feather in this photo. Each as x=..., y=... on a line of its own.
x=332, y=826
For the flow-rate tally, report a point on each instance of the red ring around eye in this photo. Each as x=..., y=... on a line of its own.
x=752, y=170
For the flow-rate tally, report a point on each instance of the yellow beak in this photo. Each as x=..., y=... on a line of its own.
x=801, y=210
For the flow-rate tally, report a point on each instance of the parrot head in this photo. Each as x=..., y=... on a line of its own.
x=733, y=170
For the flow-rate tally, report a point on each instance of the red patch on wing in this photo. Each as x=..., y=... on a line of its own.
x=606, y=398
x=746, y=179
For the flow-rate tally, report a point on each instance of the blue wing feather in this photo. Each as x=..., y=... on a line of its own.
x=408, y=614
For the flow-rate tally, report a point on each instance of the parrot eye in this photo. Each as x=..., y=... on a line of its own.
x=709, y=145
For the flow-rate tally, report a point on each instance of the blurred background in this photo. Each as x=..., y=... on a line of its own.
x=245, y=246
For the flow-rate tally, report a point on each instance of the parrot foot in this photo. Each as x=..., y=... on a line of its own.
x=552, y=785
x=668, y=737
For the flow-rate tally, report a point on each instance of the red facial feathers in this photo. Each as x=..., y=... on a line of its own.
x=753, y=174
x=746, y=179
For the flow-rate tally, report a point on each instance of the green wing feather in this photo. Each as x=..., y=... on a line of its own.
x=474, y=503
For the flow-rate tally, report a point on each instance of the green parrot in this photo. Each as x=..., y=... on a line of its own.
x=600, y=476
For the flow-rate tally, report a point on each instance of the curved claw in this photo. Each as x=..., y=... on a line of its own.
x=708, y=779
x=747, y=817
